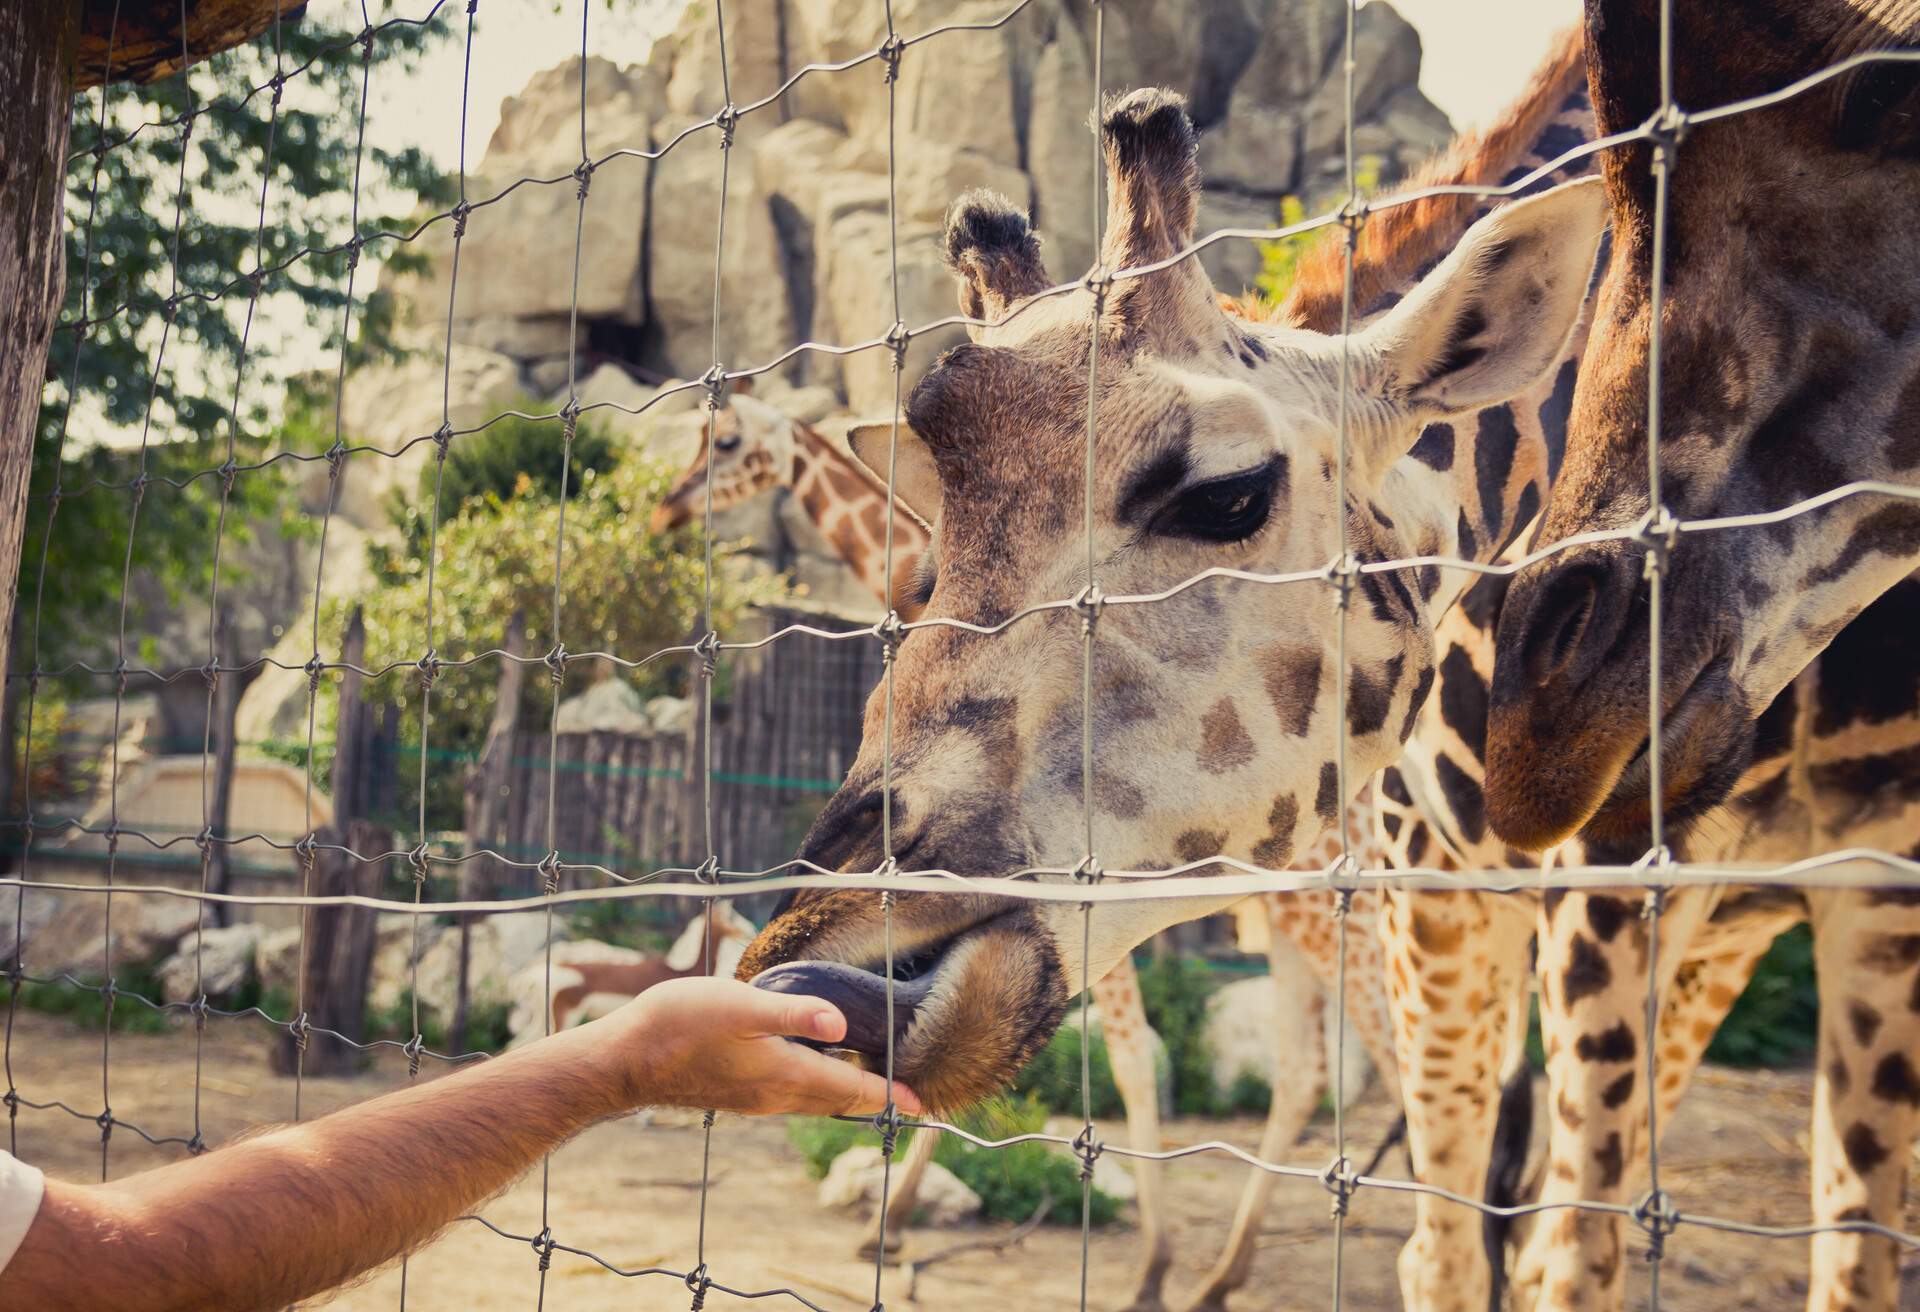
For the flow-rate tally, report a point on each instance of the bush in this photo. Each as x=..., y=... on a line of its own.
x=1010, y=1181
x=85, y=1005
x=487, y=1028
x=1174, y=991
x=1052, y=1078
x=1776, y=1021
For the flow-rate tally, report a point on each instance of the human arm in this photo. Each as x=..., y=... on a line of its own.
x=278, y=1217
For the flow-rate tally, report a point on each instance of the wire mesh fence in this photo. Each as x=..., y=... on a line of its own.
x=719, y=862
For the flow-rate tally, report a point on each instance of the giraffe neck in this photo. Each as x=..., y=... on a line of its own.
x=849, y=507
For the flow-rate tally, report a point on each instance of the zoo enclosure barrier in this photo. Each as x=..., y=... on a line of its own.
x=1085, y=884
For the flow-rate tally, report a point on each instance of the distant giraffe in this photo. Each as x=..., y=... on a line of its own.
x=756, y=449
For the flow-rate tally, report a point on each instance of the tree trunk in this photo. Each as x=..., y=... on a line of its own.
x=225, y=711
x=37, y=42
x=485, y=805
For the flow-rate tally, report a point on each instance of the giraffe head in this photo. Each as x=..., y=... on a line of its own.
x=1214, y=710
x=1790, y=356
x=751, y=445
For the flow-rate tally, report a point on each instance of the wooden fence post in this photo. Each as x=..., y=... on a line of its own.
x=486, y=810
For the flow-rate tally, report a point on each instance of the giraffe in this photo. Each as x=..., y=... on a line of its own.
x=1216, y=442
x=1789, y=369
x=757, y=449
x=754, y=448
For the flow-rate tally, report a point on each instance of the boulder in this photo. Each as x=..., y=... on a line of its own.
x=532, y=338
x=499, y=948
x=610, y=706
x=66, y=933
x=1298, y=46
x=1256, y=150
x=958, y=88
x=755, y=63
x=1060, y=155
x=1386, y=56
x=517, y=260
x=216, y=961
x=670, y=715
x=858, y=303
x=393, y=948
x=276, y=961
x=1233, y=262
x=756, y=313
x=854, y=1179
x=1250, y=1019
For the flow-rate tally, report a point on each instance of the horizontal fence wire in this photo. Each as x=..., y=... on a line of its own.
x=1084, y=884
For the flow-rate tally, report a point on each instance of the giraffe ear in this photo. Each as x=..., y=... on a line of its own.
x=916, y=482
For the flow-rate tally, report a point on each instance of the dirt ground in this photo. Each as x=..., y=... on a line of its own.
x=629, y=1192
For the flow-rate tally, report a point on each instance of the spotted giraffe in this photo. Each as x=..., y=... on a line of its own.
x=1217, y=722
x=754, y=448
x=1790, y=368
x=757, y=449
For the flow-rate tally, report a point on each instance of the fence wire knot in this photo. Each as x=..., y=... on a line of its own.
x=196, y=1145
x=556, y=662
x=1340, y=1180
x=1088, y=604
x=417, y=861
x=727, y=120
x=105, y=1121
x=336, y=458
x=891, y=631
x=1089, y=871
x=229, y=471
x=199, y=1009
x=550, y=873
x=1339, y=575
x=304, y=850
x=315, y=667
x=210, y=674
x=715, y=381
x=460, y=213
x=1656, y=1214
x=887, y=1122
x=1656, y=534
x=543, y=1245
x=583, y=178
x=890, y=51
x=896, y=340
x=300, y=1028
x=1088, y=1150
x=1353, y=216
x=698, y=1282
x=708, y=871
x=1099, y=281
x=413, y=1047
x=1667, y=129
x=707, y=649
x=428, y=666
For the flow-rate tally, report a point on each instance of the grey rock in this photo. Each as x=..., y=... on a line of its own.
x=216, y=961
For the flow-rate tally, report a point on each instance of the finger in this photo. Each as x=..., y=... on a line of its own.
x=791, y=1015
x=825, y=1086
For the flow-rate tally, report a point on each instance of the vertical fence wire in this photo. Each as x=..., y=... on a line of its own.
x=16, y=972
x=1653, y=1212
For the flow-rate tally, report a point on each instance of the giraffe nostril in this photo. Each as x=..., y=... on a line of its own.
x=1560, y=621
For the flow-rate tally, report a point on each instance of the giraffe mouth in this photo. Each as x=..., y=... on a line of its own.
x=1706, y=739
x=873, y=1026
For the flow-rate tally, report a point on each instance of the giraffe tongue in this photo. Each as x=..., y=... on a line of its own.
x=860, y=995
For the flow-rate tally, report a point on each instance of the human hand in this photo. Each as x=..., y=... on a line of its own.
x=717, y=1043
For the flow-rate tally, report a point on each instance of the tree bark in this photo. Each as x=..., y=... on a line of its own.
x=485, y=811
x=225, y=711
x=144, y=43
x=37, y=41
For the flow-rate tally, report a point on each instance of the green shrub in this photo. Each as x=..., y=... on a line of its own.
x=1251, y=1095
x=1776, y=1021
x=1052, y=1078
x=1174, y=991
x=1010, y=1181
x=85, y=1005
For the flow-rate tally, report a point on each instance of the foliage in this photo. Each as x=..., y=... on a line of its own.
x=1280, y=260
x=512, y=457
x=624, y=589
x=487, y=1027
x=1011, y=1181
x=1775, y=1022
x=85, y=1004
x=1174, y=992
x=1052, y=1078
x=118, y=378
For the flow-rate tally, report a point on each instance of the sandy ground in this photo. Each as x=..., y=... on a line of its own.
x=629, y=1192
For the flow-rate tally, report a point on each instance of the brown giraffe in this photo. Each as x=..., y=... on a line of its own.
x=1216, y=442
x=1790, y=367
x=754, y=446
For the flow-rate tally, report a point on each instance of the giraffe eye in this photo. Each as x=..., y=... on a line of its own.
x=1224, y=510
x=731, y=442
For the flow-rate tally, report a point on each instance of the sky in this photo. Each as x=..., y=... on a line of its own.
x=1477, y=56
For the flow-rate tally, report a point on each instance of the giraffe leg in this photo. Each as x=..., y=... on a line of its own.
x=1593, y=988
x=1123, y=1020
x=1866, y=1090
x=902, y=1195
x=1453, y=962
x=1299, y=1075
